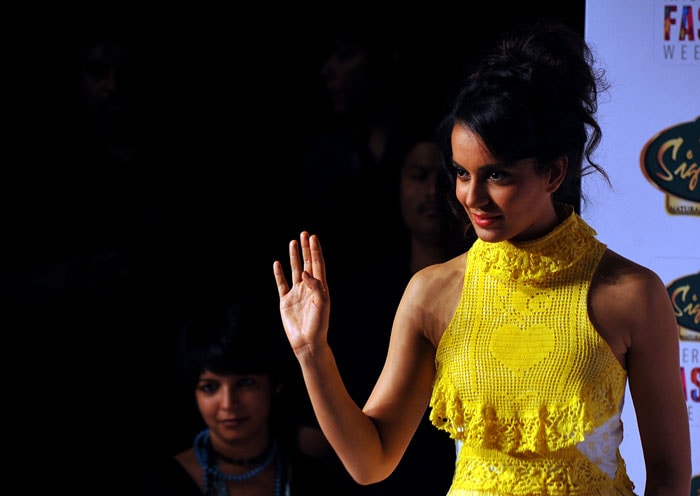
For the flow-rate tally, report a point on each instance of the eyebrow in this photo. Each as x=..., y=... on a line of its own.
x=502, y=165
x=494, y=165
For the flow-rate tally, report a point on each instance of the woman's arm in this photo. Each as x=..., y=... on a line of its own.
x=370, y=443
x=633, y=312
x=656, y=388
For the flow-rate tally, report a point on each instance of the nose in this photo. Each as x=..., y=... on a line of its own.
x=107, y=84
x=329, y=69
x=110, y=80
x=474, y=194
x=432, y=186
x=229, y=398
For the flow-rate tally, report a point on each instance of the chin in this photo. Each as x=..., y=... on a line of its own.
x=490, y=236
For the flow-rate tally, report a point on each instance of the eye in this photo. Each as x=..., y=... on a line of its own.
x=246, y=381
x=497, y=175
x=97, y=70
x=419, y=175
x=461, y=172
x=208, y=387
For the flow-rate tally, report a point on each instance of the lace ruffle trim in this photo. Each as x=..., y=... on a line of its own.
x=535, y=260
x=551, y=428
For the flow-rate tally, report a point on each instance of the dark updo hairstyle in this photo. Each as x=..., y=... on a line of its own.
x=534, y=95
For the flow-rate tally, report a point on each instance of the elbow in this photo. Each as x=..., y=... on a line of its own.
x=366, y=479
x=669, y=479
x=372, y=474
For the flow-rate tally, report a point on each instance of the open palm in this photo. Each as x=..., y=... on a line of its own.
x=305, y=307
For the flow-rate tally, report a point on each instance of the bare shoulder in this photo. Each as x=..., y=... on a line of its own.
x=624, y=298
x=188, y=460
x=433, y=294
x=443, y=274
x=622, y=278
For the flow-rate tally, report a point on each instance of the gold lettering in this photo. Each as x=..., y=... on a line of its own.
x=685, y=170
x=673, y=145
x=692, y=171
x=681, y=307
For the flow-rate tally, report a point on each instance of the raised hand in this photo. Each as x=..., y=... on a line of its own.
x=305, y=307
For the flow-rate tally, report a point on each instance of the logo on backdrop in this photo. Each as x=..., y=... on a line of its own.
x=670, y=161
x=677, y=31
x=685, y=297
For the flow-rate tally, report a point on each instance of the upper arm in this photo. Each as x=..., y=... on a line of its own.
x=401, y=395
x=655, y=383
x=632, y=310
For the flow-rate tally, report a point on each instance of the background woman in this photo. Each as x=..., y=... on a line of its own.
x=231, y=358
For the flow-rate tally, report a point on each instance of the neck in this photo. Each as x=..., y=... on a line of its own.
x=249, y=460
x=215, y=481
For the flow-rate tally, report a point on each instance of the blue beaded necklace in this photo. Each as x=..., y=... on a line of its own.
x=213, y=476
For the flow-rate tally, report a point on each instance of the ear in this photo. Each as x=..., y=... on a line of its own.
x=557, y=173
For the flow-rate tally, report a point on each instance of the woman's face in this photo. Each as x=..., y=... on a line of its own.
x=504, y=201
x=236, y=408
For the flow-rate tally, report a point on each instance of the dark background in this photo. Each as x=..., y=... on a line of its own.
x=236, y=97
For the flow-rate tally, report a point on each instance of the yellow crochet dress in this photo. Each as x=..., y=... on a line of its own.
x=523, y=380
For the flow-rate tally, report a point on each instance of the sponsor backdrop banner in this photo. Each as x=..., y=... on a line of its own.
x=651, y=149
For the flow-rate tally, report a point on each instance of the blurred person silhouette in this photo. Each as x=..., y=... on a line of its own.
x=358, y=69
x=426, y=233
x=84, y=269
x=233, y=362
x=111, y=86
x=98, y=208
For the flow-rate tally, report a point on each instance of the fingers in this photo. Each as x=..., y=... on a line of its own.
x=313, y=257
x=294, y=261
x=280, y=280
x=306, y=252
x=318, y=266
x=310, y=261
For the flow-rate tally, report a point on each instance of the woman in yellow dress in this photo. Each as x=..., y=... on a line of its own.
x=523, y=345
